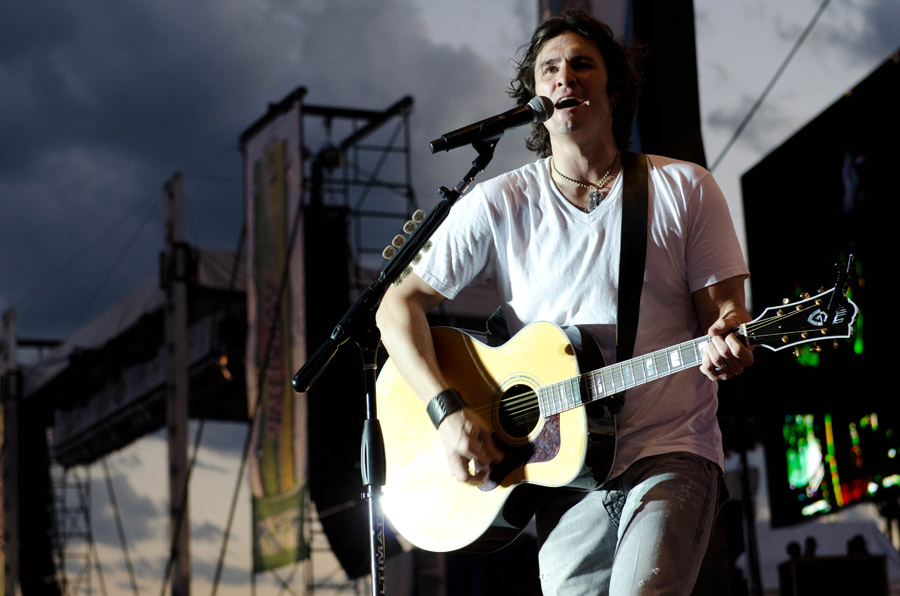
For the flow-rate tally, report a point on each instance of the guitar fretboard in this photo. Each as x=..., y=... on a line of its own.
x=609, y=380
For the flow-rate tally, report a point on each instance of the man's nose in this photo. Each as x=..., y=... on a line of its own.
x=565, y=77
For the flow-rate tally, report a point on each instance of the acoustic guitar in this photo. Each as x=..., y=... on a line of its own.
x=533, y=393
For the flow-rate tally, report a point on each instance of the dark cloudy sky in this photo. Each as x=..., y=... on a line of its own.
x=101, y=102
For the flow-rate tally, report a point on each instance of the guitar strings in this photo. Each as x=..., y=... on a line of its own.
x=519, y=408
x=754, y=325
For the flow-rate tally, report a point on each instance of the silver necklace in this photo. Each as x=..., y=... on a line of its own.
x=596, y=195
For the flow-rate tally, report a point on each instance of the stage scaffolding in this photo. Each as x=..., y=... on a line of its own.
x=368, y=173
x=360, y=170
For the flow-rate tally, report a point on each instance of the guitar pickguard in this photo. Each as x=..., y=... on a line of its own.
x=543, y=448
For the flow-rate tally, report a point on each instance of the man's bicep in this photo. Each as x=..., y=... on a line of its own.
x=401, y=315
x=407, y=336
x=413, y=291
x=721, y=299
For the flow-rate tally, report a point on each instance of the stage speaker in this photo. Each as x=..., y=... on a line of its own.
x=719, y=576
x=828, y=190
x=813, y=576
x=336, y=403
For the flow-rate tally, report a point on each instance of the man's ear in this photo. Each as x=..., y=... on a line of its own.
x=613, y=99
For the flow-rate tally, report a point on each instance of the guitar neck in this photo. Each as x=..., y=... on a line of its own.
x=609, y=380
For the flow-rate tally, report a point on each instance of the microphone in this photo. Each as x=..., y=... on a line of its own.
x=539, y=109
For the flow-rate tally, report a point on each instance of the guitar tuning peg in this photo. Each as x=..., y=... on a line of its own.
x=816, y=348
x=821, y=289
x=410, y=227
x=427, y=246
x=398, y=240
x=785, y=301
x=389, y=252
x=796, y=353
x=417, y=258
x=418, y=216
x=804, y=295
x=402, y=276
x=834, y=344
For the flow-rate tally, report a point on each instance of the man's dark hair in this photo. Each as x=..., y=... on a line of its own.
x=622, y=63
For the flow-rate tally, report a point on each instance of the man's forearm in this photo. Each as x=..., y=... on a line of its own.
x=407, y=336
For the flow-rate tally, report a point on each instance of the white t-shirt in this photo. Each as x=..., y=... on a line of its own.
x=549, y=261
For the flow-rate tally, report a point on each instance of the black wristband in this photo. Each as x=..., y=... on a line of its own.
x=443, y=404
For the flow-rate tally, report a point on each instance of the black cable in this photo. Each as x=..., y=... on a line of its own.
x=100, y=237
x=119, y=260
x=286, y=582
x=119, y=528
x=254, y=417
x=99, y=567
x=771, y=84
x=182, y=509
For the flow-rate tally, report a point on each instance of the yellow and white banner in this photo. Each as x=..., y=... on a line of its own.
x=276, y=335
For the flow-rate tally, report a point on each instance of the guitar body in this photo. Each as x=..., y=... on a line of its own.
x=423, y=502
x=533, y=392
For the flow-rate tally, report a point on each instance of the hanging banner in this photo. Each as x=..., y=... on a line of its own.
x=276, y=335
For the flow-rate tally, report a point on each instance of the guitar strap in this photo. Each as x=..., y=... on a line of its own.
x=632, y=263
x=601, y=450
x=632, y=258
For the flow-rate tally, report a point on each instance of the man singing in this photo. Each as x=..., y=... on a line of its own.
x=546, y=239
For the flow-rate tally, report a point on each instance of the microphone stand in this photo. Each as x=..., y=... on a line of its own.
x=358, y=324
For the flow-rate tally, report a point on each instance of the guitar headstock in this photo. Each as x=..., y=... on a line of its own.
x=828, y=315
x=399, y=240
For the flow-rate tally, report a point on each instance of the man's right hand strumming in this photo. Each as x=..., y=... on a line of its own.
x=405, y=332
x=467, y=438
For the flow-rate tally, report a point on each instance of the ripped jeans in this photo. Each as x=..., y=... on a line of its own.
x=643, y=532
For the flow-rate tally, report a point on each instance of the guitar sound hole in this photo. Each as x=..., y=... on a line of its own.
x=518, y=412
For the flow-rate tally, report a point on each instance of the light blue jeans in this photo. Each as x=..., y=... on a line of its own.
x=644, y=532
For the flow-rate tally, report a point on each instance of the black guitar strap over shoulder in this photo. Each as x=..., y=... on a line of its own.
x=632, y=258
